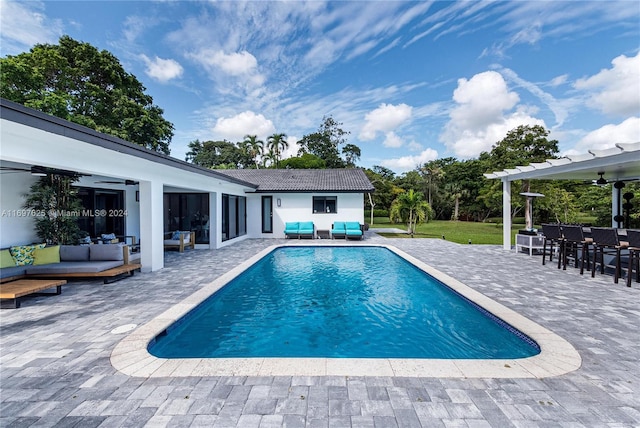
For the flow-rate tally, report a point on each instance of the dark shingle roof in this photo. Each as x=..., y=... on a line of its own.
x=303, y=180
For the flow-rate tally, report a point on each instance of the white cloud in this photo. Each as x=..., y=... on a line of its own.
x=615, y=90
x=607, y=136
x=24, y=24
x=241, y=64
x=236, y=127
x=407, y=163
x=162, y=70
x=392, y=139
x=559, y=80
x=481, y=117
x=559, y=108
x=386, y=118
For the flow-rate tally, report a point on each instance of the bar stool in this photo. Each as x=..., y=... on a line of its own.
x=606, y=241
x=574, y=239
x=633, y=238
x=552, y=235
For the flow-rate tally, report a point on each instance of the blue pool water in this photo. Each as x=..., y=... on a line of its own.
x=351, y=302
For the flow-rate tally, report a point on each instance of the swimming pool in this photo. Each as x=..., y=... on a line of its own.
x=131, y=356
x=339, y=302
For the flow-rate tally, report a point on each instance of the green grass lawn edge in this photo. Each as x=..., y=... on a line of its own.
x=461, y=232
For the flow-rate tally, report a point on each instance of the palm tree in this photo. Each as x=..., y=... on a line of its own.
x=277, y=143
x=253, y=147
x=456, y=191
x=410, y=207
x=269, y=158
x=433, y=174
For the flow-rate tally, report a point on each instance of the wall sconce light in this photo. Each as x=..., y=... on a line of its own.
x=279, y=202
x=137, y=196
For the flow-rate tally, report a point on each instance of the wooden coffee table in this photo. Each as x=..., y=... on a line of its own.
x=10, y=292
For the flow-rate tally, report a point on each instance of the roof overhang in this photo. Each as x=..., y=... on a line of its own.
x=619, y=163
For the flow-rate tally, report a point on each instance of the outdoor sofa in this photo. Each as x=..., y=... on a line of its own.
x=346, y=229
x=302, y=229
x=109, y=261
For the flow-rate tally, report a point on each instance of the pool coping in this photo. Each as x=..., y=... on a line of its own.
x=556, y=357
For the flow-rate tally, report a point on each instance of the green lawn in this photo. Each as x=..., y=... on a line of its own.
x=455, y=231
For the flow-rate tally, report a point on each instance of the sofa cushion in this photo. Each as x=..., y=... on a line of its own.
x=305, y=227
x=105, y=252
x=46, y=255
x=6, y=272
x=74, y=253
x=291, y=227
x=23, y=254
x=6, y=260
x=73, y=267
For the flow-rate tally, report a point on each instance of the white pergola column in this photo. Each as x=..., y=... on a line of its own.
x=151, y=225
x=213, y=221
x=506, y=214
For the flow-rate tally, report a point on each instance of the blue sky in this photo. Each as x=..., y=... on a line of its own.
x=410, y=81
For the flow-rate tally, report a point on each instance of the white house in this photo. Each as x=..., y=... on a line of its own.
x=141, y=193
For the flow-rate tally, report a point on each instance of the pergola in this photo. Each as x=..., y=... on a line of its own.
x=621, y=163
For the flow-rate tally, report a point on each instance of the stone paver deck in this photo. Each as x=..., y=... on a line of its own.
x=55, y=367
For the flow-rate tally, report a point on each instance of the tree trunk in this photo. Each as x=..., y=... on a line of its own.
x=457, y=206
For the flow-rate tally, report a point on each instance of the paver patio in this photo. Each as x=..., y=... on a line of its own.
x=56, y=371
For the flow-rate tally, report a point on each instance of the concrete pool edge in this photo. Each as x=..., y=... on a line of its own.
x=557, y=356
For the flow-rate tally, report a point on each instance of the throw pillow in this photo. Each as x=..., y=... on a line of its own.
x=23, y=254
x=176, y=235
x=46, y=255
x=109, y=236
x=6, y=260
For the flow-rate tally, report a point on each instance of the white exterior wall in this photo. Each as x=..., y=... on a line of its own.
x=299, y=207
x=15, y=227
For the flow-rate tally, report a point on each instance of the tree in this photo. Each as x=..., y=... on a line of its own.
x=326, y=142
x=410, y=207
x=77, y=82
x=277, y=143
x=456, y=191
x=253, y=147
x=54, y=197
x=522, y=146
x=217, y=154
x=306, y=161
x=433, y=174
x=352, y=154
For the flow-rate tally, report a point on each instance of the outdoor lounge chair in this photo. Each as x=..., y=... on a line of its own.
x=338, y=230
x=353, y=230
x=306, y=229
x=303, y=229
x=291, y=229
x=179, y=240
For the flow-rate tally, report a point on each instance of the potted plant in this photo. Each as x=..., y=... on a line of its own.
x=57, y=207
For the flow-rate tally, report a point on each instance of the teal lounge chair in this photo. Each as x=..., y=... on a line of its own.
x=306, y=229
x=338, y=230
x=291, y=230
x=353, y=230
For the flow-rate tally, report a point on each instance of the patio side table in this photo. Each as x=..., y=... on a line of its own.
x=323, y=234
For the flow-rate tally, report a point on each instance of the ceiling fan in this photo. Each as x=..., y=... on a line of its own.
x=125, y=182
